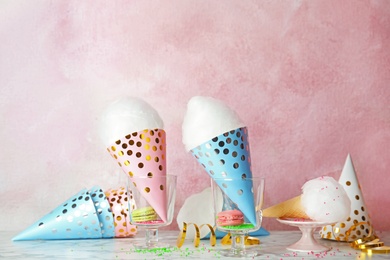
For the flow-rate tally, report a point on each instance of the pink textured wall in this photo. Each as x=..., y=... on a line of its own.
x=310, y=79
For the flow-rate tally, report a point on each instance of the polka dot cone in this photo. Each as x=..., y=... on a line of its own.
x=228, y=156
x=103, y=211
x=143, y=154
x=74, y=219
x=358, y=224
x=119, y=205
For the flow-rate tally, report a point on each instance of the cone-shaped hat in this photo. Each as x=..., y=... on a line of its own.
x=119, y=205
x=358, y=224
x=228, y=156
x=143, y=154
x=103, y=211
x=75, y=218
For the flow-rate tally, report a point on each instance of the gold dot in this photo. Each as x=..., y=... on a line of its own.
x=120, y=153
x=154, y=148
x=127, y=163
x=141, y=136
x=135, y=184
x=113, y=148
x=147, y=139
x=147, y=189
x=148, y=157
x=147, y=147
x=118, y=218
x=342, y=225
x=121, y=230
x=131, y=174
x=324, y=229
x=348, y=183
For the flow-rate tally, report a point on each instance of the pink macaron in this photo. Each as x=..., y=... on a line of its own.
x=230, y=218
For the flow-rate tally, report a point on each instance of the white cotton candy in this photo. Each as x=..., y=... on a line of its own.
x=125, y=116
x=325, y=200
x=205, y=119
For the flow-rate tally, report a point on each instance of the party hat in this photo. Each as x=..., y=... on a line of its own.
x=358, y=224
x=118, y=199
x=228, y=156
x=103, y=211
x=142, y=154
x=76, y=218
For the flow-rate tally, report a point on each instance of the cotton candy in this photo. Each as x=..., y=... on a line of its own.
x=206, y=118
x=125, y=116
x=325, y=200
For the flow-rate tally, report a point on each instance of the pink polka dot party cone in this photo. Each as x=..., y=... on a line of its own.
x=143, y=154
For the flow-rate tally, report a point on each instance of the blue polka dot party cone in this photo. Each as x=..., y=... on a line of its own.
x=228, y=156
x=85, y=215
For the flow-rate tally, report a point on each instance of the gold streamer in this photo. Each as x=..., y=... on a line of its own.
x=369, y=244
x=226, y=240
x=183, y=233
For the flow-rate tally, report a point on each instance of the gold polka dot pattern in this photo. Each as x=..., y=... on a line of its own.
x=118, y=200
x=357, y=225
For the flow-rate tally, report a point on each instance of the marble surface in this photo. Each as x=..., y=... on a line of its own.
x=272, y=247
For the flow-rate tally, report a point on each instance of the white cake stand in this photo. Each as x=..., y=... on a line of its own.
x=307, y=243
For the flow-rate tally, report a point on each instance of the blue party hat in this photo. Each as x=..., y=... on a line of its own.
x=228, y=156
x=103, y=211
x=76, y=218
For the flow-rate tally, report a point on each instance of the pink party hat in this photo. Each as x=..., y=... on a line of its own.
x=142, y=154
x=358, y=224
x=84, y=215
x=228, y=156
x=119, y=204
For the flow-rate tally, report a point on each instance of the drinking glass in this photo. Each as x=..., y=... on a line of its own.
x=223, y=203
x=149, y=210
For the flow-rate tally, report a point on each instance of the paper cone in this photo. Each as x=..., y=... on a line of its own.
x=74, y=219
x=103, y=211
x=142, y=154
x=291, y=208
x=119, y=205
x=228, y=156
x=358, y=224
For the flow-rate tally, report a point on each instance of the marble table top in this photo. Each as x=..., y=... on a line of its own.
x=271, y=247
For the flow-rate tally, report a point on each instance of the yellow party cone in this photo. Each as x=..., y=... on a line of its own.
x=291, y=208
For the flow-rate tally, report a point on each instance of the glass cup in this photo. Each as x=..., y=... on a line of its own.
x=230, y=218
x=151, y=206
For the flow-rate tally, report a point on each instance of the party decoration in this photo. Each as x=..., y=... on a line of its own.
x=218, y=139
x=84, y=215
x=323, y=199
x=132, y=130
x=357, y=224
x=118, y=199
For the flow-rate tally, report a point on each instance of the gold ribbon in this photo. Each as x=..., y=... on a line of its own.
x=226, y=240
x=369, y=244
x=183, y=234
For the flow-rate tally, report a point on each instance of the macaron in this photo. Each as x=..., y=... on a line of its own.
x=143, y=215
x=230, y=218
